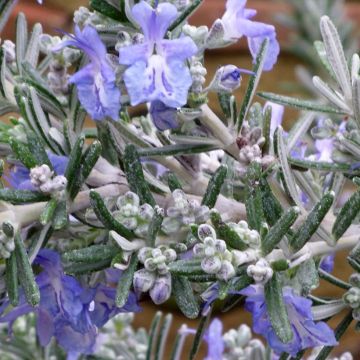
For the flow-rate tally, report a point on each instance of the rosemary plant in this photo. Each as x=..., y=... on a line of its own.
x=104, y=205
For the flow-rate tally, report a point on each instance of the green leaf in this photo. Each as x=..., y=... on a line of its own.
x=108, y=10
x=279, y=230
x=22, y=196
x=277, y=310
x=154, y=227
x=224, y=102
x=300, y=104
x=186, y=267
x=104, y=215
x=214, y=187
x=253, y=200
x=48, y=212
x=92, y=253
x=25, y=273
x=308, y=277
x=60, y=218
x=272, y=208
x=21, y=40
x=323, y=166
x=135, y=176
x=266, y=129
x=37, y=149
x=184, y=296
x=173, y=182
x=303, y=234
x=227, y=233
x=125, y=282
x=23, y=153
x=333, y=279
x=185, y=14
x=74, y=164
x=346, y=215
x=176, y=150
x=199, y=335
x=253, y=83
x=6, y=7
x=154, y=329
x=80, y=268
x=11, y=279
x=163, y=337
x=88, y=161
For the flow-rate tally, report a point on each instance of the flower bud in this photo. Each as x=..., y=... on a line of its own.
x=211, y=265
x=150, y=264
x=352, y=297
x=261, y=272
x=205, y=231
x=226, y=271
x=144, y=253
x=170, y=255
x=226, y=79
x=161, y=290
x=143, y=280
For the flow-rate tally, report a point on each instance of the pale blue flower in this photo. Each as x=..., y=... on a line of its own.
x=237, y=23
x=97, y=90
x=68, y=311
x=306, y=333
x=156, y=67
x=163, y=116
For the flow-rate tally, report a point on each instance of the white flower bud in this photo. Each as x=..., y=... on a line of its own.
x=243, y=335
x=261, y=272
x=205, y=231
x=161, y=290
x=170, y=255
x=9, y=49
x=144, y=253
x=128, y=198
x=143, y=280
x=146, y=212
x=226, y=271
x=211, y=265
x=39, y=175
x=220, y=246
x=150, y=264
x=243, y=257
x=199, y=250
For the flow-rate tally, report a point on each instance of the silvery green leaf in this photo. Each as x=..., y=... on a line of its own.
x=350, y=146
x=253, y=83
x=308, y=184
x=189, y=10
x=163, y=337
x=300, y=104
x=6, y=7
x=21, y=40
x=32, y=51
x=288, y=176
x=153, y=334
x=299, y=129
x=355, y=66
x=6, y=107
x=320, y=48
x=58, y=138
x=330, y=94
x=308, y=276
x=335, y=55
x=326, y=311
x=199, y=140
x=356, y=98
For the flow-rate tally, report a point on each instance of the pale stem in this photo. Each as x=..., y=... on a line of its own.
x=217, y=127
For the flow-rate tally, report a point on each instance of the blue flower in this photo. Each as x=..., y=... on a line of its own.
x=236, y=22
x=19, y=177
x=67, y=311
x=306, y=333
x=96, y=86
x=156, y=67
x=163, y=116
x=327, y=263
x=214, y=339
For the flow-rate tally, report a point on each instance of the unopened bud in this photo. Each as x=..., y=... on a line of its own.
x=205, y=231
x=211, y=265
x=161, y=290
x=143, y=280
x=226, y=271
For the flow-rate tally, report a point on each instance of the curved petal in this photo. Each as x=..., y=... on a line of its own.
x=44, y=327
x=128, y=55
x=163, y=117
x=154, y=22
x=235, y=5
x=272, y=53
x=180, y=49
x=254, y=28
x=97, y=91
